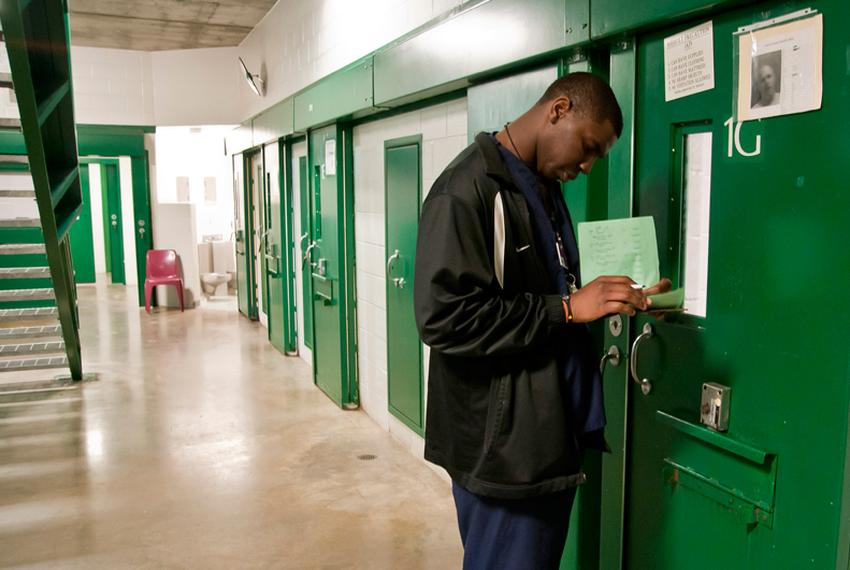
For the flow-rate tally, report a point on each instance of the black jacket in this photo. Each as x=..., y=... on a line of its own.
x=497, y=417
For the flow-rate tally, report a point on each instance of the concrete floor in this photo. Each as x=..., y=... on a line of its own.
x=200, y=446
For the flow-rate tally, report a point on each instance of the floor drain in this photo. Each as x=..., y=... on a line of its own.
x=367, y=457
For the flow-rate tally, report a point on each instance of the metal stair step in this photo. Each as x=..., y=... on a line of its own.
x=29, y=348
x=6, y=80
x=10, y=124
x=26, y=295
x=21, y=248
x=33, y=363
x=41, y=331
x=20, y=223
x=20, y=315
x=9, y=193
x=24, y=273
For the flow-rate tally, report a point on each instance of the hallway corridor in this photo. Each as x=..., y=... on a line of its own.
x=200, y=446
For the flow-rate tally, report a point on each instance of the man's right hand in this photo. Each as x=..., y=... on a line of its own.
x=607, y=296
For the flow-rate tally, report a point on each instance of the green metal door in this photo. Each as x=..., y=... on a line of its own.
x=81, y=235
x=307, y=238
x=244, y=280
x=112, y=220
x=259, y=226
x=273, y=249
x=332, y=267
x=402, y=165
x=766, y=493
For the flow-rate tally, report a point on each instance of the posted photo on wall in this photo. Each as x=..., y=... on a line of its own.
x=779, y=68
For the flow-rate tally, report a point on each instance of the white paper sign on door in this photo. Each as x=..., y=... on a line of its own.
x=330, y=157
x=689, y=62
x=780, y=68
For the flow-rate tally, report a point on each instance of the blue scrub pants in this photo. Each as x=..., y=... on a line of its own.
x=513, y=534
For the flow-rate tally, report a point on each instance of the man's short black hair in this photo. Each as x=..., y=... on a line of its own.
x=590, y=96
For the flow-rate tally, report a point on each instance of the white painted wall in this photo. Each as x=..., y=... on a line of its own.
x=96, y=198
x=128, y=220
x=112, y=86
x=196, y=153
x=176, y=230
x=181, y=87
x=301, y=41
x=17, y=207
x=196, y=87
x=443, y=130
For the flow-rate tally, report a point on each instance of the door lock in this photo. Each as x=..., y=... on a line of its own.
x=399, y=282
x=612, y=356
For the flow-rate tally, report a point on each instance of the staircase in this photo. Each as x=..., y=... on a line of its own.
x=39, y=193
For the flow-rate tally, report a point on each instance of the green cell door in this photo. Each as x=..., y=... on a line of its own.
x=402, y=164
x=743, y=233
x=81, y=235
x=331, y=258
x=244, y=278
x=112, y=220
x=276, y=254
x=307, y=239
x=259, y=229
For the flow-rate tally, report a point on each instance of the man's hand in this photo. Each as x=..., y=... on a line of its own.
x=607, y=296
x=661, y=287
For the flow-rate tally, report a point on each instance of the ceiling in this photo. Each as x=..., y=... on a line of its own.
x=154, y=25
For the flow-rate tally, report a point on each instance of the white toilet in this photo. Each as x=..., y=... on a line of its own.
x=214, y=268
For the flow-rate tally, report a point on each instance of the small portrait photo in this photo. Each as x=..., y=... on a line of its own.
x=766, y=80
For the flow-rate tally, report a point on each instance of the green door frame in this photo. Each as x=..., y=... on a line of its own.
x=287, y=258
x=339, y=290
x=623, y=78
x=122, y=140
x=417, y=424
x=110, y=186
x=243, y=240
x=255, y=297
x=305, y=239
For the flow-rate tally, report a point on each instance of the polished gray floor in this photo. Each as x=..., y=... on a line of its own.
x=200, y=446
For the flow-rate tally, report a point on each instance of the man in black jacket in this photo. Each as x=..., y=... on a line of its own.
x=514, y=394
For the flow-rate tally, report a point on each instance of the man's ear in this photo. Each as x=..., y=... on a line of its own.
x=558, y=108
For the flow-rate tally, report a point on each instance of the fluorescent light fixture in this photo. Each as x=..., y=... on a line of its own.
x=255, y=82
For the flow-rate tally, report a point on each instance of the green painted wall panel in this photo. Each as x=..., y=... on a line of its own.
x=609, y=17
x=487, y=37
x=491, y=105
x=273, y=123
x=340, y=94
x=112, y=140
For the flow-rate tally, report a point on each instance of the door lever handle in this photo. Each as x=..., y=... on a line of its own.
x=612, y=356
x=307, y=254
x=645, y=383
x=396, y=254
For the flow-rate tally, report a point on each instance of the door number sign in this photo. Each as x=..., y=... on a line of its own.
x=735, y=140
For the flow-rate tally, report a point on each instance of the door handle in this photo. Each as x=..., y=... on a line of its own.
x=645, y=383
x=303, y=237
x=612, y=356
x=396, y=254
x=306, y=255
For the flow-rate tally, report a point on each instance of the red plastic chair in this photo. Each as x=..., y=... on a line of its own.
x=163, y=268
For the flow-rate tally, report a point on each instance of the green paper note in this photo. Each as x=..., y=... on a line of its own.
x=619, y=247
x=670, y=300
